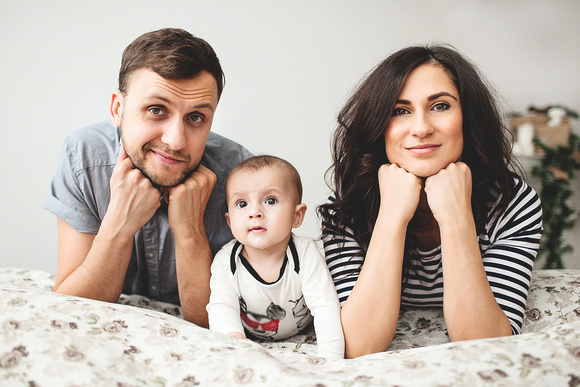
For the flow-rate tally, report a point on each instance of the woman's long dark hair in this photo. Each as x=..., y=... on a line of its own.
x=359, y=146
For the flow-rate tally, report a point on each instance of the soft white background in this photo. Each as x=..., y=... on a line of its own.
x=290, y=65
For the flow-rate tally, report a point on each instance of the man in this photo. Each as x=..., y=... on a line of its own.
x=140, y=200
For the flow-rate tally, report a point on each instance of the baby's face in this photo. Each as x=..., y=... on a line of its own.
x=262, y=207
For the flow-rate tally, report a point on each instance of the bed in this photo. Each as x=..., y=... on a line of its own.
x=54, y=340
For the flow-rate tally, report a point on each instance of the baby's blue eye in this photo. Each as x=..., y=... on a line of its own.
x=241, y=203
x=271, y=201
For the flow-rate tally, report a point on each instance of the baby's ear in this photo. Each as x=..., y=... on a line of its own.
x=227, y=215
x=299, y=213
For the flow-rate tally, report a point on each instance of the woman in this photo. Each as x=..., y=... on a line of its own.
x=428, y=210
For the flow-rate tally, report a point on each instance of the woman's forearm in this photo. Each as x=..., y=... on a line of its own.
x=469, y=306
x=370, y=314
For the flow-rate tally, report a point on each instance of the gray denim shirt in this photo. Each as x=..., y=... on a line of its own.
x=80, y=195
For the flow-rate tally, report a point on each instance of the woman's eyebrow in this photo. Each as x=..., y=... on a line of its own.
x=430, y=98
x=441, y=94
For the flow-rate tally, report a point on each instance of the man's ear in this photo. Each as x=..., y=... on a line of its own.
x=299, y=213
x=117, y=107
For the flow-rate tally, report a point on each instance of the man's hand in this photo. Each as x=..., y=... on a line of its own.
x=187, y=202
x=134, y=199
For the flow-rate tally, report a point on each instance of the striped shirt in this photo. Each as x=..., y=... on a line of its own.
x=508, y=243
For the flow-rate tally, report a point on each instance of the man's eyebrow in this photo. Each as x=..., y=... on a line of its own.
x=166, y=100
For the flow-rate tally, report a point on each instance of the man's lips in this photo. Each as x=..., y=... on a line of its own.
x=166, y=158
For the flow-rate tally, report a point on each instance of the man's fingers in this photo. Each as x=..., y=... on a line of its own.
x=211, y=177
x=122, y=154
x=123, y=158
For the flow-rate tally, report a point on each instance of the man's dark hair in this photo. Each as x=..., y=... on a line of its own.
x=173, y=54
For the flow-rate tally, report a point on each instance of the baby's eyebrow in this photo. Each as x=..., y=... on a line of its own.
x=234, y=195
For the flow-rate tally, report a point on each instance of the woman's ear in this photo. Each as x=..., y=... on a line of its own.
x=117, y=107
x=299, y=213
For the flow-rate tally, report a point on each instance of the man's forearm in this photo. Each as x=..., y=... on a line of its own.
x=100, y=273
x=193, y=261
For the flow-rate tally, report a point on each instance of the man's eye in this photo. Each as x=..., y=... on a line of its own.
x=400, y=111
x=271, y=201
x=196, y=118
x=441, y=106
x=156, y=111
x=241, y=204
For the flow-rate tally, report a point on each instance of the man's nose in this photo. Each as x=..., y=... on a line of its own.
x=174, y=134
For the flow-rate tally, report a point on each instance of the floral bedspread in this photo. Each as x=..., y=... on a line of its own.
x=48, y=339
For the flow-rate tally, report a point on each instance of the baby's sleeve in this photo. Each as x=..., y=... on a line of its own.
x=322, y=300
x=223, y=309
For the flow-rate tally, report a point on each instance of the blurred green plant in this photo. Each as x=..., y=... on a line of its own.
x=556, y=171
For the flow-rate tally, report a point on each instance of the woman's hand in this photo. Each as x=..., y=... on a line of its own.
x=400, y=192
x=449, y=192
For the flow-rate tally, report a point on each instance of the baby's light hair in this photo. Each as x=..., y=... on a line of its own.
x=261, y=161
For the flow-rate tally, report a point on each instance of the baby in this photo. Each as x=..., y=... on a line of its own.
x=268, y=282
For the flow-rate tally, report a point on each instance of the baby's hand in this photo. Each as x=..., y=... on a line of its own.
x=238, y=335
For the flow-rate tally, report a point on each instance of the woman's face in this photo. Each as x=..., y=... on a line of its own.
x=425, y=133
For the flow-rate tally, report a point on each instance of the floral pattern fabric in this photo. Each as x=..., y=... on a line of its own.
x=48, y=339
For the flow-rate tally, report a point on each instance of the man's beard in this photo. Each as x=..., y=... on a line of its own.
x=139, y=161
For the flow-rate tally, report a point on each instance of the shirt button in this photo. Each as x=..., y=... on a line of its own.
x=153, y=287
x=150, y=255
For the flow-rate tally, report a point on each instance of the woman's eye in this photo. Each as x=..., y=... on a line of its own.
x=241, y=204
x=400, y=111
x=441, y=106
x=271, y=201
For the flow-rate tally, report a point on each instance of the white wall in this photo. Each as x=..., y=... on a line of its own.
x=289, y=65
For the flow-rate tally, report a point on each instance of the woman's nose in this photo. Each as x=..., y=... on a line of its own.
x=421, y=126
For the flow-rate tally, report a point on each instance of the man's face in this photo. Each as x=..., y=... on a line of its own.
x=165, y=123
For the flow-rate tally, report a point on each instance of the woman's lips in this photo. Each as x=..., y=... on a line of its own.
x=423, y=149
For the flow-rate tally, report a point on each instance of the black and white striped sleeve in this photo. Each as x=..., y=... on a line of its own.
x=344, y=258
x=509, y=253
